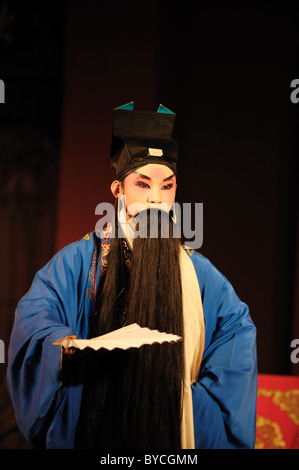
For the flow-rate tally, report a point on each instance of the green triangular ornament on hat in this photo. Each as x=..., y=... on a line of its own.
x=127, y=106
x=164, y=110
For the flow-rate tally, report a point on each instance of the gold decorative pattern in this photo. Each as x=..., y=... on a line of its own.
x=287, y=400
x=269, y=435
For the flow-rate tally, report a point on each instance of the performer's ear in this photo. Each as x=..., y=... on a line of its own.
x=116, y=188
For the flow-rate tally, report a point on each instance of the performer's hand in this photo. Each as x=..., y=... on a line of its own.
x=69, y=352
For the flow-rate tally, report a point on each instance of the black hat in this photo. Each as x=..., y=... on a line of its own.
x=140, y=138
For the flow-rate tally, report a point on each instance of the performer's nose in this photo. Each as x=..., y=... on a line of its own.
x=153, y=201
x=154, y=197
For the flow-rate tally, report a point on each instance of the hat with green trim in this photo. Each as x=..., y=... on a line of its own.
x=140, y=138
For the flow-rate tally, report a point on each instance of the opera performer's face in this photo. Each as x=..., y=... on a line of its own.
x=150, y=184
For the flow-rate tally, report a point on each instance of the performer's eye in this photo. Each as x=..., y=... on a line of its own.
x=143, y=185
x=167, y=186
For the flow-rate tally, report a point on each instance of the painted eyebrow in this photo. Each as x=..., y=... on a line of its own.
x=169, y=177
x=148, y=178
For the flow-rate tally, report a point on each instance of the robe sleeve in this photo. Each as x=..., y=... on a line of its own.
x=52, y=309
x=224, y=396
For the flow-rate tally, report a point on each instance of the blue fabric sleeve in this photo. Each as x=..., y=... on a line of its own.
x=52, y=309
x=224, y=396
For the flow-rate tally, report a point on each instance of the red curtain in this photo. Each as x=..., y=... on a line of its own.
x=277, y=422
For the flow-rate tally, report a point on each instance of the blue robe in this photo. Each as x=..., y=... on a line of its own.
x=60, y=303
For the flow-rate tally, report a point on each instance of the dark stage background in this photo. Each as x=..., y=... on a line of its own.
x=225, y=70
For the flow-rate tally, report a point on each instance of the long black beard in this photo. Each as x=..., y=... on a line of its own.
x=133, y=398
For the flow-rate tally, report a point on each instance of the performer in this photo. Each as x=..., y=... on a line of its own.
x=196, y=393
